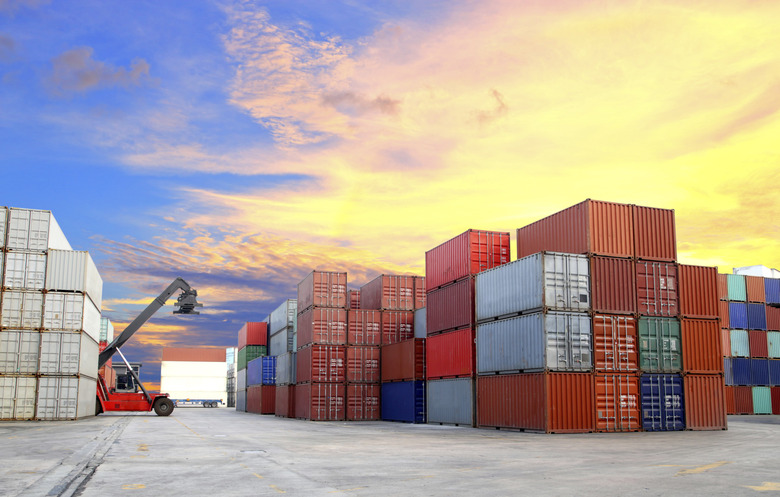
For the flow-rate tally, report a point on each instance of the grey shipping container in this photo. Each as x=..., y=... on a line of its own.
x=241, y=400
x=71, y=312
x=285, y=369
x=68, y=353
x=451, y=401
x=24, y=271
x=34, y=230
x=278, y=344
x=65, y=397
x=553, y=341
x=22, y=310
x=2, y=265
x=420, y=330
x=74, y=271
x=17, y=397
x=241, y=380
x=3, y=224
x=19, y=351
x=547, y=280
x=283, y=316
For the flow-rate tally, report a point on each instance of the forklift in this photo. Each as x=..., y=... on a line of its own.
x=128, y=398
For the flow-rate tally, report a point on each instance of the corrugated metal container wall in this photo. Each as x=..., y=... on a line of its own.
x=17, y=397
x=698, y=291
x=451, y=307
x=728, y=371
x=24, y=271
x=613, y=285
x=730, y=405
x=660, y=349
x=762, y=400
x=759, y=372
x=773, y=344
x=656, y=288
x=66, y=353
x=772, y=290
x=705, y=404
x=261, y=399
x=3, y=223
x=285, y=401
x=541, y=281
x=775, y=392
x=254, y=372
x=19, y=351
x=420, y=292
x=34, y=230
x=284, y=316
x=451, y=401
x=2, y=266
x=320, y=401
x=194, y=354
x=663, y=408
x=363, y=402
x=397, y=326
x=404, y=401
x=71, y=312
x=325, y=363
x=736, y=287
x=554, y=341
x=756, y=316
x=701, y=346
x=74, y=271
x=774, y=372
x=241, y=378
x=743, y=400
x=740, y=367
x=249, y=353
x=65, y=397
x=450, y=354
x=772, y=318
x=420, y=326
x=253, y=334
x=391, y=292
x=403, y=361
x=723, y=313
x=364, y=327
x=285, y=368
x=269, y=371
x=754, y=289
x=723, y=286
x=467, y=254
x=22, y=310
x=655, y=236
x=353, y=299
x=615, y=343
x=362, y=364
x=617, y=402
x=322, y=325
x=738, y=316
x=322, y=288
x=725, y=342
x=758, y=342
x=590, y=227
x=279, y=343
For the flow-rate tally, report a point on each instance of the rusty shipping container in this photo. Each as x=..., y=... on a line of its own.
x=261, y=399
x=285, y=401
x=698, y=291
x=451, y=355
x=322, y=325
x=590, y=227
x=451, y=307
x=615, y=343
x=540, y=402
x=388, y=292
x=362, y=364
x=656, y=288
x=320, y=401
x=397, y=326
x=364, y=327
x=705, y=403
x=723, y=287
x=403, y=361
x=701, y=347
x=253, y=334
x=754, y=285
x=363, y=402
x=655, y=236
x=617, y=402
x=325, y=363
x=465, y=255
x=324, y=289
x=613, y=285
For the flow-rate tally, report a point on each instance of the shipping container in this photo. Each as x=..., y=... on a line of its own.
x=553, y=341
x=698, y=291
x=743, y=400
x=34, y=230
x=241, y=379
x=403, y=361
x=772, y=318
x=451, y=307
x=22, y=310
x=655, y=236
x=660, y=349
x=281, y=342
x=450, y=355
x=758, y=342
x=284, y=316
x=738, y=319
x=775, y=393
x=261, y=399
x=728, y=371
x=420, y=292
x=364, y=327
x=322, y=289
x=320, y=401
x=322, y=363
x=663, y=407
x=762, y=400
x=613, y=285
x=3, y=224
x=736, y=287
x=403, y=401
x=723, y=286
x=269, y=371
x=772, y=290
x=106, y=330
x=540, y=402
x=740, y=367
x=363, y=402
x=420, y=326
x=286, y=368
x=730, y=403
x=363, y=365
x=71, y=312
x=253, y=334
x=705, y=404
x=773, y=344
x=19, y=351
x=701, y=346
x=543, y=281
x=322, y=325
x=353, y=299
x=74, y=271
x=467, y=254
x=615, y=343
x=754, y=289
x=756, y=317
x=656, y=288
x=723, y=313
x=18, y=397
x=451, y=401
x=397, y=326
x=759, y=372
x=590, y=227
x=248, y=353
x=388, y=292
x=254, y=372
x=241, y=400
x=24, y=271
x=617, y=402
x=725, y=342
x=65, y=397
x=68, y=353
x=285, y=401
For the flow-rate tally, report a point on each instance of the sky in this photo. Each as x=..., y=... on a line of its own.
x=241, y=144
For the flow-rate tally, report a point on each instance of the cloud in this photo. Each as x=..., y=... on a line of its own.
x=75, y=71
x=7, y=48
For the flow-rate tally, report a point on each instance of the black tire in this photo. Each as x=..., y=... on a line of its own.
x=98, y=406
x=163, y=406
x=214, y=403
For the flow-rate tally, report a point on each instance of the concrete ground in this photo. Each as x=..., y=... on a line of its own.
x=199, y=451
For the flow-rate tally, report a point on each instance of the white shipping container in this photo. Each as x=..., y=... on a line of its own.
x=71, y=312
x=17, y=397
x=24, y=271
x=220, y=394
x=2, y=265
x=554, y=341
x=22, y=310
x=65, y=397
x=192, y=369
x=546, y=280
x=74, y=271
x=420, y=330
x=68, y=353
x=19, y=351
x=3, y=223
x=284, y=316
x=170, y=384
x=241, y=380
x=34, y=230
x=106, y=330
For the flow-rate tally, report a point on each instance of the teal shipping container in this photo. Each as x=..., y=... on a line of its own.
x=736, y=287
x=773, y=339
x=660, y=345
x=740, y=346
x=762, y=400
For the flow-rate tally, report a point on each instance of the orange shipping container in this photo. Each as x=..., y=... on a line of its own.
x=397, y=326
x=743, y=400
x=194, y=354
x=617, y=402
x=614, y=343
x=701, y=346
x=353, y=299
x=655, y=237
x=698, y=291
x=403, y=361
x=756, y=291
x=656, y=288
x=613, y=285
x=705, y=403
x=322, y=288
x=363, y=402
x=723, y=287
x=725, y=342
x=388, y=292
x=723, y=313
x=730, y=403
x=322, y=325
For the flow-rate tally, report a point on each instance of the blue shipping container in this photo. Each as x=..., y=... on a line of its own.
x=663, y=408
x=403, y=401
x=738, y=315
x=269, y=370
x=254, y=372
x=756, y=314
x=741, y=370
x=728, y=372
x=774, y=372
x=772, y=290
x=759, y=371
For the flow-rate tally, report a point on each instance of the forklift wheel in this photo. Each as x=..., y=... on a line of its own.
x=163, y=406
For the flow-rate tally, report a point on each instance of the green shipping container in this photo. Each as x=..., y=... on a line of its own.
x=250, y=353
x=762, y=400
x=740, y=347
x=659, y=345
x=736, y=287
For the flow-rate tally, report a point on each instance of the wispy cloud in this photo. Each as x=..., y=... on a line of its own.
x=75, y=71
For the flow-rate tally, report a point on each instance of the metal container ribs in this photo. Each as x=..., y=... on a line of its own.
x=701, y=346
x=754, y=289
x=467, y=254
x=738, y=318
x=772, y=290
x=660, y=349
x=705, y=404
x=363, y=402
x=451, y=401
x=320, y=401
x=759, y=343
x=735, y=283
x=743, y=400
x=656, y=288
x=362, y=364
x=617, y=402
x=261, y=399
x=663, y=408
x=322, y=325
x=451, y=307
x=655, y=236
x=285, y=401
x=762, y=400
x=324, y=363
x=253, y=334
x=615, y=343
x=397, y=326
x=403, y=361
x=322, y=288
x=772, y=318
x=364, y=327
x=613, y=285
x=450, y=355
x=756, y=316
x=698, y=291
x=353, y=299
x=388, y=292
x=723, y=287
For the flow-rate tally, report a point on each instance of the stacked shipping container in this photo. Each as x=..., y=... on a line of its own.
x=283, y=345
x=252, y=343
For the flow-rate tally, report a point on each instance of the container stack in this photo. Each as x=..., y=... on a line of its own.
x=106, y=337
x=283, y=328
x=451, y=363
x=49, y=318
x=230, y=360
x=261, y=385
x=252, y=343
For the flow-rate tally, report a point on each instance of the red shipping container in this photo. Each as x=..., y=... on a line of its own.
x=403, y=361
x=353, y=300
x=755, y=289
x=363, y=402
x=723, y=287
x=320, y=401
x=705, y=404
x=324, y=289
x=451, y=355
x=261, y=399
x=397, y=326
x=251, y=334
x=363, y=364
x=701, y=347
x=615, y=343
x=322, y=325
x=419, y=292
x=656, y=288
x=326, y=363
x=772, y=318
x=730, y=402
x=388, y=292
x=451, y=307
x=364, y=327
x=698, y=291
x=590, y=227
x=759, y=344
x=743, y=400
x=467, y=254
x=723, y=313
x=613, y=285
x=775, y=393
x=655, y=236
x=617, y=402
x=285, y=401
x=725, y=342
x=543, y=402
